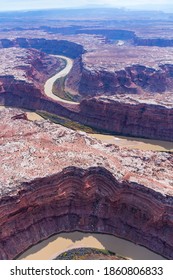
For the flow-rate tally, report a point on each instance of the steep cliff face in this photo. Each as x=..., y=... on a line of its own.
x=138, y=120
x=127, y=118
x=95, y=83
x=17, y=87
x=93, y=80
x=54, y=179
x=160, y=42
x=87, y=200
x=25, y=71
x=59, y=47
x=140, y=96
x=22, y=85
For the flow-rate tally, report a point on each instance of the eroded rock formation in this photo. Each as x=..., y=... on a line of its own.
x=53, y=180
x=25, y=71
x=121, y=69
x=109, y=115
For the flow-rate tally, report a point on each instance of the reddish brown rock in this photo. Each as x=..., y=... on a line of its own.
x=116, y=115
x=127, y=116
x=53, y=180
x=111, y=69
x=25, y=71
x=22, y=116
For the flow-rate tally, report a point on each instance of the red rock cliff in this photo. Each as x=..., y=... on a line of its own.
x=87, y=200
x=110, y=70
x=26, y=71
x=128, y=118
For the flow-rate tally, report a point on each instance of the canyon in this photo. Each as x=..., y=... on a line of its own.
x=108, y=76
x=139, y=115
x=55, y=180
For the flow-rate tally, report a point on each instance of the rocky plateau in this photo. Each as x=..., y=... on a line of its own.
x=112, y=69
x=54, y=179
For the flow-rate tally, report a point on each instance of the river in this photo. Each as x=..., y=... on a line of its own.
x=49, y=84
x=135, y=143
x=55, y=245
x=121, y=141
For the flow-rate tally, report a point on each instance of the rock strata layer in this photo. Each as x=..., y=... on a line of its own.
x=25, y=71
x=127, y=116
x=54, y=179
x=120, y=69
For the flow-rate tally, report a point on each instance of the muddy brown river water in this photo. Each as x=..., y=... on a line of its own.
x=135, y=143
x=59, y=243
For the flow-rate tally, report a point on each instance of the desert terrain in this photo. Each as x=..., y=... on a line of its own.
x=86, y=118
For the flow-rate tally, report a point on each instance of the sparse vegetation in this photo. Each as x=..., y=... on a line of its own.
x=89, y=254
x=66, y=122
x=58, y=89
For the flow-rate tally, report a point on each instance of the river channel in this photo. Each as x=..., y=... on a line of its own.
x=55, y=245
x=121, y=141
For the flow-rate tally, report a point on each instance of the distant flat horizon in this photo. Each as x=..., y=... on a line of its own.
x=87, y=8
x=35, y=5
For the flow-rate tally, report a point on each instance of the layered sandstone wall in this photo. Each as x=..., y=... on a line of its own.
x=89, y=200
x=25, y=71
x=134, y=79
x=35, y=103
x=140, y=120
x=18, y=88
x=22, y=85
